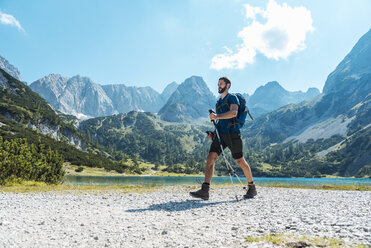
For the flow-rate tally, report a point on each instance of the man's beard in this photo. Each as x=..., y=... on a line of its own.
x=222, y=90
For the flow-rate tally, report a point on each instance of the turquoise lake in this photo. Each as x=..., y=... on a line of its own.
x=161, y=181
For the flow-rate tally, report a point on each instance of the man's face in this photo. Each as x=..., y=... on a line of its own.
x=221, y=86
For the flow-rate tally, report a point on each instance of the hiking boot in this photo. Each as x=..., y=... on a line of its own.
x=203, y=193
x=251, y=192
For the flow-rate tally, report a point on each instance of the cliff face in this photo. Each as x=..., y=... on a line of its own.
x=10, y=69
x=353, y=67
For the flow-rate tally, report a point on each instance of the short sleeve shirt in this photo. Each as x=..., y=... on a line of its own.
x=222, y=106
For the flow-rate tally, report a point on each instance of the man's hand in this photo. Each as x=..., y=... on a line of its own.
x=213, y=116
x=210, y=135
x=233, y=111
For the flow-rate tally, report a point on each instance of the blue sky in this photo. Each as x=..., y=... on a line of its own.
x=152, y=43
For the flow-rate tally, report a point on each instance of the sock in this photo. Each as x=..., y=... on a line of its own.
x=207, y=183
x=252, y=182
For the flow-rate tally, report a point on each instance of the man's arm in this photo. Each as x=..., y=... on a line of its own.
x=233, y=110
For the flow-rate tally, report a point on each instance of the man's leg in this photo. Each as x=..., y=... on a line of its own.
x=210, y=165
x=245, y=168
x=236, y=149
x=235, y=145
x=251, y=192
x=203, y=193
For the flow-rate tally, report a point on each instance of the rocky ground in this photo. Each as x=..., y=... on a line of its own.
x=171, y=218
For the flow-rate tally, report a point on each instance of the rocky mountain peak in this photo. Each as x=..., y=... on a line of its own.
x=195, y=83
x=9, y=68
x=312, y=92
x=269, y=88
x=190, y=101
x=81, y=79
x=272, y=96
x=169, y=89
x=52, y=79
x=356, y=64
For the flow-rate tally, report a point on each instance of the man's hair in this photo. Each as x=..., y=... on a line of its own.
x=226, y=80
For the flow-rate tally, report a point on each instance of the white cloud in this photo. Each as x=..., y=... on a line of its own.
x=251, y=12
x=10, y=20
x=281, y=33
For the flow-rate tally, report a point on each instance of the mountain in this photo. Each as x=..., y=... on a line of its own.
x=328, y=134
x=78, y=95
x=265, y=99
x=145, y=135
x=22, y=109
x=354, y=66
x=272, y=96
x=342, y=111
x=125, y=99
x=25, y=117
x=10, y=69
x=82, y=97
x=168, y=91
x=190, y=101
x=20, y=104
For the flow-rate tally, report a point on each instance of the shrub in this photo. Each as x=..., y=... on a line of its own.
x=79, y=169
x=22, y=161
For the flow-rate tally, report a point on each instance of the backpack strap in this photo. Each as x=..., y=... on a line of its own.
x=227, y=100
x=218, y=105
x=233, y=122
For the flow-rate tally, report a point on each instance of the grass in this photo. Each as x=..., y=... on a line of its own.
x=88, y=171
x=323, y=187
x=36, y=187
x=19, y=186
x=266, y=166
x=291, y=240
x=95, y=171
x=172, y=174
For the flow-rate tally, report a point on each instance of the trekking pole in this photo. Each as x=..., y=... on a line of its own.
x=227, y=164
x=250, y=115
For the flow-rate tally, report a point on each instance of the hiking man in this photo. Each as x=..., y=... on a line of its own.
x=229, y=131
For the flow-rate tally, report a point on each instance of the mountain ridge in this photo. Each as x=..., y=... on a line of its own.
x=342, y=110
x=272, y=96
x=348, y=69
x=10, y=69
x=82, y=97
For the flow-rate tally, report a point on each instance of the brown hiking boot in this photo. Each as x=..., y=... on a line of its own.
x=251, y=192
x=203, y=193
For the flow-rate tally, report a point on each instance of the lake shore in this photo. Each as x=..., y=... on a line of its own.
x=169, y=217
x=94, y=171
x=70, y=170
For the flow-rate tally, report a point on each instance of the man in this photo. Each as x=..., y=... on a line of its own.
x=229, y=131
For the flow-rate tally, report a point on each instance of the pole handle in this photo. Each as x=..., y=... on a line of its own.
x=212, y=111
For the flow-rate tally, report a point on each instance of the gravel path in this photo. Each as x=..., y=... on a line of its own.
x=171, y=218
